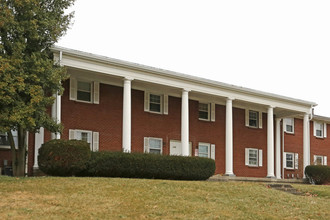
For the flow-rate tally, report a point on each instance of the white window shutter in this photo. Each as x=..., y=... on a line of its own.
x=260, y=119
x=314, y=128
x=284, y=160
x=165, y=104
x=96, y=94
x=325, y=161
x=260, y=158
x=73, y=89
x=96, y=141
x=72, y=134
x=314, y=159
x=146, y=145
x=212, y=111
x=146, y=101
x=296, y=162
x=247, y=123
x=246, y=156
x=285, y=121
x=325, y=130
x=213, y=151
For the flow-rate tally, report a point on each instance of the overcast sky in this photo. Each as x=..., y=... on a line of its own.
x=281, y=46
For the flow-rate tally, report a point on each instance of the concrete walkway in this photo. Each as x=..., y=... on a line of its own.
x=253, y=179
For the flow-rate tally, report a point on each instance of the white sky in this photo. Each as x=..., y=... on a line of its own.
x=281, y=46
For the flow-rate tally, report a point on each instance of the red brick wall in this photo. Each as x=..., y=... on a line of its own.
x=246, y=137
x=293, y=143
x=106, y=118
x=319, y=146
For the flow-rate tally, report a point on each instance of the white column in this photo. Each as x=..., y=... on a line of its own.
x=38, y=141
x=229, y=137
x=278, y=148
x=56, y=114
x=185, y=122
x=270, y=142
x=306, y=142
x=127, y=115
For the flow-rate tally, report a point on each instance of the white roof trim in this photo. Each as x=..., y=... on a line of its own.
x=176, y=75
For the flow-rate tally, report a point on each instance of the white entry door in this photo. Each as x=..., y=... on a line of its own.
x=176, y=147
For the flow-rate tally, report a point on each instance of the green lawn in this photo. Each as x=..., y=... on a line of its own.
x=114, y=198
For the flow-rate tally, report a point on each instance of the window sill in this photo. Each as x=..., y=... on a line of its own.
x=83, y=101
x=319, y=137
x=253, y=127
x=288, y=132
x=202, y=119
x=158, y=113
x=288, y=168
x=253, y=166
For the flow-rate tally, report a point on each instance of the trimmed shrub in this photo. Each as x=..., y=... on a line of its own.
x=149, y=166
x=317, y=174
x=64, y=157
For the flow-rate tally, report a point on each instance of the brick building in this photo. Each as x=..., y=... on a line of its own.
x=121, y=106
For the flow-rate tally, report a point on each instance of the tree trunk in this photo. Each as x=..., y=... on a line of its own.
x=18, y=155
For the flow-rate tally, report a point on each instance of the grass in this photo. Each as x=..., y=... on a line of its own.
x=115, y=198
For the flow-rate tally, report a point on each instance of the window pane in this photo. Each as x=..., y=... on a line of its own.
x=253, y=119
x=154, y=107
x=253, y=157
x=155, y=98
x=203, y=107
x=84, y=136
x=289, y=164
x=84, y=96
x=154, y=151
x=203, y=115
x=84, y=86
x=203, y=149
x=289, y=128
x=319, y=161
x=155, y=143
x=319, y=133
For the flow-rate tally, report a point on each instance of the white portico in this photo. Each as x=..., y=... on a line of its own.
x=134, y=76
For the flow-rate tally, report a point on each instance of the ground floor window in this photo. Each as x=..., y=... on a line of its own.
x=92, y=138
x=320, y=160
x=4, y=139
x=253, y=157
x=290, y=160
x=153, y=145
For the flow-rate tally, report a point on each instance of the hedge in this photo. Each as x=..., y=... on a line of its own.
x=64, y=157
x=150, y=166
x=317, y=174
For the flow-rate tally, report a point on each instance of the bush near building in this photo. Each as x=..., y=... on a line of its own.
x=74, y=158
x=64, y=157
x=150, y=166
x=318, y=174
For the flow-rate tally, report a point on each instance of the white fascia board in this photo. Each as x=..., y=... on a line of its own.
x=321, y=118
x=91, y=62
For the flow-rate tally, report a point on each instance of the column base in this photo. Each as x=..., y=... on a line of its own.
x=271, y=177
x=230, y=174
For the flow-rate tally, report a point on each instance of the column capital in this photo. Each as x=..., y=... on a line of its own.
x=230, y=98
x=271, y=106
x=128, y=78
x=186, y=90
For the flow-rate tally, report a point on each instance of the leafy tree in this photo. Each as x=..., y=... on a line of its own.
x=28, y=75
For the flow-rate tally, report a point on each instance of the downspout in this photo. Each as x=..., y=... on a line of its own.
x=283, y=177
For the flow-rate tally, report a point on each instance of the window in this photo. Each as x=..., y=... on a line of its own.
x=320, y=160
x=92, y=138
x=253, y=157
x=155, y=104
x=289, y=125
x=4, y=139
x=204, y=150
x=320, y=129
x=253, y=119
x=84, y=91
x=289, y=157
x=153, y=145
x=204, y=111
x=290, y=160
